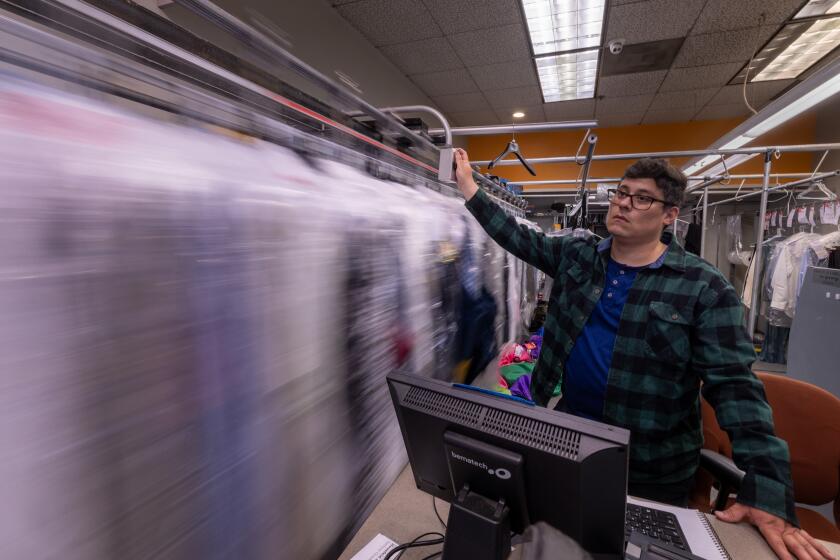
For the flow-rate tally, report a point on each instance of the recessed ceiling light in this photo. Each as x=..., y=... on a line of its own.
x=566, y=40
x=795, y=48
x=815, y=40
x=568, y=76
x=518, y=115
x=564, y=25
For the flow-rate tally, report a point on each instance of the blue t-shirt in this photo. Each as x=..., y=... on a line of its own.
x=588, y=364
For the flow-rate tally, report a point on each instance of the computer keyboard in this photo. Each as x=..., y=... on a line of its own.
x=657, y=524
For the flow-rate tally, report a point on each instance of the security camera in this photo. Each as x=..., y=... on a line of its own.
x=616, y=46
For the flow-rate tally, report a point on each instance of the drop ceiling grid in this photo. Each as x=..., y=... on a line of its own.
x=473, y=57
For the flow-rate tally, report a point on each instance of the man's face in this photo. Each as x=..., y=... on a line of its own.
x=633, y=219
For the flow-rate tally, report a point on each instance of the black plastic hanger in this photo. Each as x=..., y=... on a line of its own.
x=513, y=148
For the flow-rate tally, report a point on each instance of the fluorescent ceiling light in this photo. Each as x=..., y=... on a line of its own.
x=695, y=167
x=737, y=142
x=564, y=25
x=823, y=84
x=808, y=100
x=566, y=40
x=813, y=40
x=568, y=76
x=731, y=163
x=818, y=8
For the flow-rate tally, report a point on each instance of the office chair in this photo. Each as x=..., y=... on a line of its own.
x=808, y=419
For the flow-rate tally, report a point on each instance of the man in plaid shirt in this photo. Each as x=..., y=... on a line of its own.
x=634, y=325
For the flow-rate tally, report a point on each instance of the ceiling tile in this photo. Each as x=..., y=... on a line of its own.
x=618, y=105
x=669, y=115
x=505, y=75
x=758, y=92
x=694, y=99
x=712, y=112
x=717, y=48
x=514, y=98
x=386, y=22
x=489, y=46
x=473, y=118
x=446, y=82
x=652, y=20
x=420, y=57
x=340, y=2
x=626, y=119
x=631, y=84
x=570, y=110
x=461, y=102
x=723, y=15
x=680, y=79
x=617, y=2
x=533, y=114
x=469, y=15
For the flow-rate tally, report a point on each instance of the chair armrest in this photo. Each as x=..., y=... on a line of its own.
x=725, y=472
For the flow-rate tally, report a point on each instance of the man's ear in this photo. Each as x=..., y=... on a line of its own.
x=671, y=215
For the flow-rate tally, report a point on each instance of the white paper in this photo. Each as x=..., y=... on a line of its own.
x=790, y=219
x=811, y=212
x=700, y=540
x=376, y=549
x=801, y=216
x=774, y=218
x=767, y=222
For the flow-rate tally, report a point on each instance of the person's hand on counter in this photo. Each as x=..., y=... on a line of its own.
x=787, y=541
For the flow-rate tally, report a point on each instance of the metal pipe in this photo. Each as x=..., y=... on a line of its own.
x=617, y=179
x=705, y=217
x=549, y=193
x=707, y=182
x=527, y=127
x=683, y=153
x=446, y=130
x=790, y=185
x=754, y=300
x=591, y=140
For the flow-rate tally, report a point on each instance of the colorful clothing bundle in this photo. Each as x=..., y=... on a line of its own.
x=516, y=366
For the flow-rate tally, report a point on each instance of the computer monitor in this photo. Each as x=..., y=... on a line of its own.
x=504, y=463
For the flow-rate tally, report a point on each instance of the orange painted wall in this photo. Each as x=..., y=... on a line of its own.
x=694, y=135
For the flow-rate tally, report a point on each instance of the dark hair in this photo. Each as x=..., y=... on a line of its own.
x=668, y=178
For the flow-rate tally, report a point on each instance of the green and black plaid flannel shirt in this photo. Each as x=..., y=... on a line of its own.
x=683, y=324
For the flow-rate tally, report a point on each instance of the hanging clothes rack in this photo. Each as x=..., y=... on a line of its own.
x=685, y=153
x=191, y=86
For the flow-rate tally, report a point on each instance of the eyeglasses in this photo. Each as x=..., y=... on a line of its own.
x=637, y=201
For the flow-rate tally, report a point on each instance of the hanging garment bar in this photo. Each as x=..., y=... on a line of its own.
x=591, y=140
x=698, y=179
x=446, y=131
x=759, y=247
x=447, y=157
x=684, y=153
x=791, y=185
x=508, y=128
x=72, y=61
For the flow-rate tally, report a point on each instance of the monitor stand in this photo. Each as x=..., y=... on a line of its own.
x=478, y=528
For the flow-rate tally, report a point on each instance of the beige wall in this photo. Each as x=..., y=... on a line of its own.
x=320, y=37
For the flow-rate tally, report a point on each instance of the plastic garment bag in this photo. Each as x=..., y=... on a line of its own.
x=737, y=253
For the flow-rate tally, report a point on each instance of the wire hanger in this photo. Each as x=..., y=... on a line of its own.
x=513, y=148
x=817, y=191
